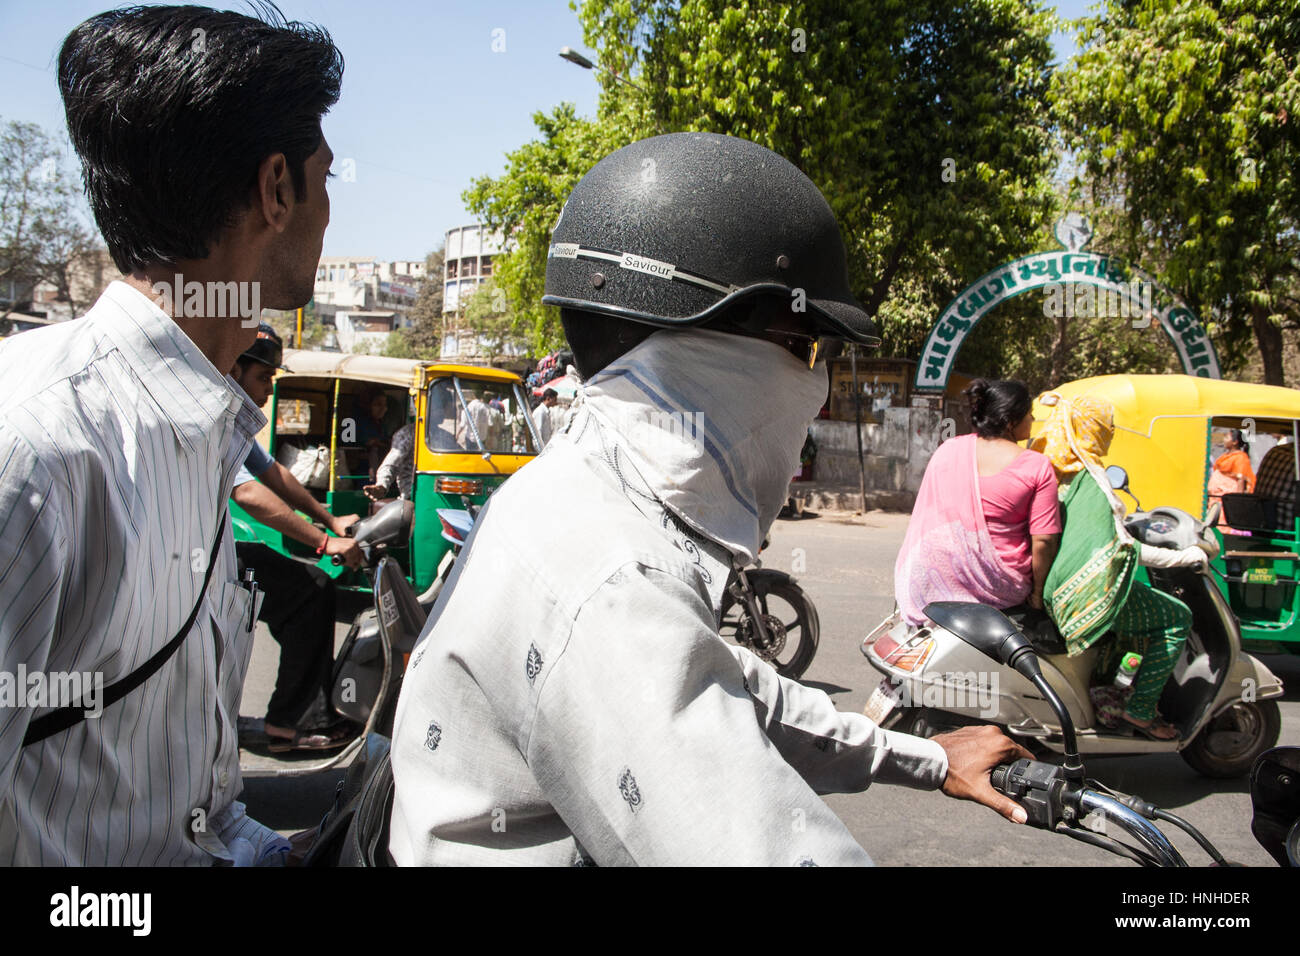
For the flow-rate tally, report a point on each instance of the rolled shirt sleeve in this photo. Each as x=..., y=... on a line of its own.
x=659, y=744
x=254, y=466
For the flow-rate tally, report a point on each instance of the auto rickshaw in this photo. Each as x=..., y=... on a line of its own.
x=472, y=431
x=1165, y=428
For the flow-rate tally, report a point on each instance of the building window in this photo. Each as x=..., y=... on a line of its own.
x=468, y=267
x=452, y=266
x=486, y=262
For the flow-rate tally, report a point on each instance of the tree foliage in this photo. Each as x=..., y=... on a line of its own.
x=42, y=236
x=525, y=202
x=924, y=124
x=423, y=339
x=493, y=324
x=1187, y=112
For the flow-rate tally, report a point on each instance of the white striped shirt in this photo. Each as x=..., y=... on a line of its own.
x=119, y=442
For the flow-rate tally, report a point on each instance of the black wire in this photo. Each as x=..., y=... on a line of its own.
x=1178, y=821
x=1106, y=843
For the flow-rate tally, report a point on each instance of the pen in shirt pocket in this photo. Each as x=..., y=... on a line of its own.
x=251, y=585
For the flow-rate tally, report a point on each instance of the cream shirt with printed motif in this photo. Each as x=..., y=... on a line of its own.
x=571, y=702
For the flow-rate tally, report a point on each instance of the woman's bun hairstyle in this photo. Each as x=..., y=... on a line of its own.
x=997, y=406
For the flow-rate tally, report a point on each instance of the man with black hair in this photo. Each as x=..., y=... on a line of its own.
x=199, y=134
x=542, y=415
x=574, y=703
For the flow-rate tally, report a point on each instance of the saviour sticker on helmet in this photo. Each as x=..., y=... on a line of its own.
x=664, y=270
x=564, y=250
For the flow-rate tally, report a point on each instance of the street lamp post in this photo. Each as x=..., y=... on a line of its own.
x=573, y=56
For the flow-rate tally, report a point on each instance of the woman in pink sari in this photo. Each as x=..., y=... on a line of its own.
x=986, y=523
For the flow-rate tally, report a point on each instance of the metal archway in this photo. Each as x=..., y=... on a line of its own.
x=1064, y=272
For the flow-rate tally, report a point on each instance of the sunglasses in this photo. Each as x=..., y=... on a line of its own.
x=806, y=348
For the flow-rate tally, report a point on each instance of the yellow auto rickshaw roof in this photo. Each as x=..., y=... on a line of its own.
x=1140, y=400
x=381, y=368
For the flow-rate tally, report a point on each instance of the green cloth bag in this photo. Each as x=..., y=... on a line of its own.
x=1090, y=579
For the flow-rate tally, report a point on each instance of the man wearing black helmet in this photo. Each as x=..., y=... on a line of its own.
x=574, y=703
x=299, y=604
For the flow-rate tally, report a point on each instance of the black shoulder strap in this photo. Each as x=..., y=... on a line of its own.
x=58, y=720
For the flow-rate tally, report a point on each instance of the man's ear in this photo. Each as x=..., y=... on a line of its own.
x=274, y=195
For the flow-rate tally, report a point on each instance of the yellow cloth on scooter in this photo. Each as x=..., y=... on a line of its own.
x=1093, y=571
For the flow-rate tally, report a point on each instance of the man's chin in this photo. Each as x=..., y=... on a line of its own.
x=289, y=302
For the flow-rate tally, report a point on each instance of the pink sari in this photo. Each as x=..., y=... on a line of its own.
x=947, y=554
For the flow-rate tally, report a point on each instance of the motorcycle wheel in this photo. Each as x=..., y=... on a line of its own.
x=1228, y=745
x=791, y=619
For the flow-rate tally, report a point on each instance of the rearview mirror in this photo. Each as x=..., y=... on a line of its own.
x=987, y=630
x=1117, y=477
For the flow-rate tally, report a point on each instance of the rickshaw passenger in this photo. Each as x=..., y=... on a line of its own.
x=372, y=432
x=1277, y=480
x=1090, y=589
x=1234, y=464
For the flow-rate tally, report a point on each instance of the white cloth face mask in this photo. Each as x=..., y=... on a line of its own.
x=715, y=424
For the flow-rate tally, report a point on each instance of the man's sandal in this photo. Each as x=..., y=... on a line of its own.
x=307, y=740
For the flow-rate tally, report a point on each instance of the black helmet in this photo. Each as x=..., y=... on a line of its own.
x=266, y=348
x=673, y=230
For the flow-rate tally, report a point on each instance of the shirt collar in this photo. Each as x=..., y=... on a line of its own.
x=713, y=560
x=189, y=390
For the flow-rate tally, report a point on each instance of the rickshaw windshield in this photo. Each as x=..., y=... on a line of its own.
x=474, y=416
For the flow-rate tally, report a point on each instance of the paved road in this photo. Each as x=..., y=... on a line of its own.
x=849, y=574
x=847, y=566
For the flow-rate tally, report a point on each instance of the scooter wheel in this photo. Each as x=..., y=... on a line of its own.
x=1228, y=745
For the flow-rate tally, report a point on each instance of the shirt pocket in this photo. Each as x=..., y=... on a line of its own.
x=234, y=609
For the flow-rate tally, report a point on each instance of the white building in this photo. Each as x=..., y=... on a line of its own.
x=366, y=299
x=468, y=263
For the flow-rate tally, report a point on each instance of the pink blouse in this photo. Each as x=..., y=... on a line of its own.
x=1019, y=501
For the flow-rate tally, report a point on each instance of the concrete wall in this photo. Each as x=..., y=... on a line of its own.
x=895, y=453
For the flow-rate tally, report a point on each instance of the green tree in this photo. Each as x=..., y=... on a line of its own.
x=524, y=203
x=423, y=339
x=1187, y=111
x=924, y=124
x=498, y=330
x=42, y=236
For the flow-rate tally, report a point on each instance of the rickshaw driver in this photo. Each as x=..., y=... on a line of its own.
x=574, y=703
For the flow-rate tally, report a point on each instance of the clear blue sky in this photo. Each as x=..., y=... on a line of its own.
x=427, y=105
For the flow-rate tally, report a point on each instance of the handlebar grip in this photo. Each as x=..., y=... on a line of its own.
x=998, y=778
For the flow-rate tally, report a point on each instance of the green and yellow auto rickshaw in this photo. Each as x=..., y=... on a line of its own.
x=1166, y=429
x=332, y=415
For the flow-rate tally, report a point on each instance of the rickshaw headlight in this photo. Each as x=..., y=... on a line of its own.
x=459, y=486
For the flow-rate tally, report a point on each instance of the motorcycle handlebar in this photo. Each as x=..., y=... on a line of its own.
x=1050, y=801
